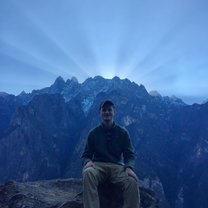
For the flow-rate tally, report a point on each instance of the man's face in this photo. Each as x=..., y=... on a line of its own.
x=107, y=113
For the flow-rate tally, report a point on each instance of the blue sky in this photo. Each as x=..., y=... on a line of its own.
x=161, y=44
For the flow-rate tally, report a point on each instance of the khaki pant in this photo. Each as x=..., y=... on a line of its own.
x=93, y=176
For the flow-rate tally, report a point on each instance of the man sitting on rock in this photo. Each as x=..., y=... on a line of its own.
x=109, y=155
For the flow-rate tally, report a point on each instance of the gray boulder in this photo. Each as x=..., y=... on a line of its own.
x=63, y=193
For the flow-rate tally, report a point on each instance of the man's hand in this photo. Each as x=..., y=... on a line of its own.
x=89, y=164
x=131, y=173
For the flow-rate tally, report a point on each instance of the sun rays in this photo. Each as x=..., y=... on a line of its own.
x=144, y=42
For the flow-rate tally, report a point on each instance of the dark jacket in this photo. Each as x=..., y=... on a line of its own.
x=109, y=145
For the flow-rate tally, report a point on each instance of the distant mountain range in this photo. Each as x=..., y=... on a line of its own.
x=42, y=135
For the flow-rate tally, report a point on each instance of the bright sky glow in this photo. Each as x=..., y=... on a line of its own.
x=161, y=44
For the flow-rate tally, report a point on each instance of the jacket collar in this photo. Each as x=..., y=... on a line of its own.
x=104, y=127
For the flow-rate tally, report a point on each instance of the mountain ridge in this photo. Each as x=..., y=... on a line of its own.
x=44, y=134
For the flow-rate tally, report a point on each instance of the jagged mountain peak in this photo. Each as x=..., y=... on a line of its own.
x=115, y=82
x=93, y=79
x=155, y=93
x=59, y=79
x=116, y=78
x=23, y=93
x=72, y=80
x=98, y=77
x=58, y=85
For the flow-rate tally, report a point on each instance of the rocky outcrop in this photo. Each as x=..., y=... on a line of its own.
x=65, y=193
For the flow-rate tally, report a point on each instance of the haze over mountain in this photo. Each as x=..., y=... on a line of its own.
x=42, y=135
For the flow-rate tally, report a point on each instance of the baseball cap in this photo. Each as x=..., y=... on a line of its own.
x=107, y=103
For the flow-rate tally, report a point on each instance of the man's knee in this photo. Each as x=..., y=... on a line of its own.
x=88, y=172
x=132, y=183
x=132, y=180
